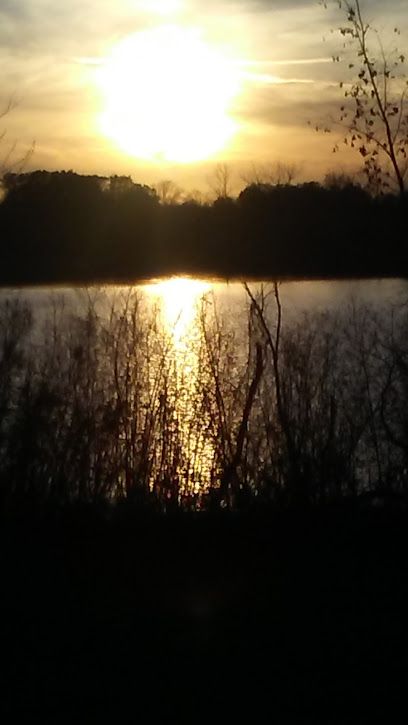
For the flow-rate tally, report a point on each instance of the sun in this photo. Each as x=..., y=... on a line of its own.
x=167, y=95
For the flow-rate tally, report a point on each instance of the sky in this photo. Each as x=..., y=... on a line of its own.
x=163, y=89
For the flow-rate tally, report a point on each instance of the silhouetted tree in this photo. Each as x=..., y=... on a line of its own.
x=336, y=180
x=63, y=227
x=220, y=182
x=278, y=173
x=10, y=158
x=374, y=113
x=168, y=192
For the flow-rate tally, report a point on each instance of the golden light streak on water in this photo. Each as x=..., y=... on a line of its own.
x=179, y=302
x=178, y=299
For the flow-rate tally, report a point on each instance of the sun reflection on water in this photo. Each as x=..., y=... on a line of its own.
x=179, y=300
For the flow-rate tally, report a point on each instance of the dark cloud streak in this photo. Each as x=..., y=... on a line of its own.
x=261, y=5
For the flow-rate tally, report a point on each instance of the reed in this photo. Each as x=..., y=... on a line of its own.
x=97, y=405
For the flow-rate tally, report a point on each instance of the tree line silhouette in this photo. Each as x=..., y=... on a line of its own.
x=65, y=227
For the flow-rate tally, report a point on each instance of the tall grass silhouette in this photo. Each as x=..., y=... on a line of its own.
x=95, y=406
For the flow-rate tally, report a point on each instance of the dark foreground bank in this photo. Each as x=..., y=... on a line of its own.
x=267, y=617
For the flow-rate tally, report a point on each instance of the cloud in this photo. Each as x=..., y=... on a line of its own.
x=48, y=49
x=44, y=26
x=257, y=6
x=291, y=103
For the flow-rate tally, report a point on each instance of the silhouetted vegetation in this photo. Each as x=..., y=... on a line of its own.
x=97, y=407
x=228, y=539
x=63, y=227
x=214, y=531
x=228, y=542
x=373, y=113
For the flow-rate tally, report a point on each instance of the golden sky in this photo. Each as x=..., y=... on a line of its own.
x=169, y=88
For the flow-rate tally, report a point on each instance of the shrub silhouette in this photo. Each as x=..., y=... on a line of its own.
x=96, y=407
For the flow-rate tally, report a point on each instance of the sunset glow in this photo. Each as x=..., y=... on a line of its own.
x=178, y=298
x=168, y=89
x=167, y=96
x=203, y=359
x=161, y=7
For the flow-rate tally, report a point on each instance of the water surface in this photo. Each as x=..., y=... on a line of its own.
x=170, y=363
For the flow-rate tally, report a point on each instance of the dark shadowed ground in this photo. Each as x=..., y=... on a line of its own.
x=263, y=618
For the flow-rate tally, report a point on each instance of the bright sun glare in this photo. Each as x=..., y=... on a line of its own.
x=178, y=298
x=161, y=7
x=168, y=95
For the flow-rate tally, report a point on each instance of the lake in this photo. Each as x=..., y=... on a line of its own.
x=186, y=388
x=304, y=294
